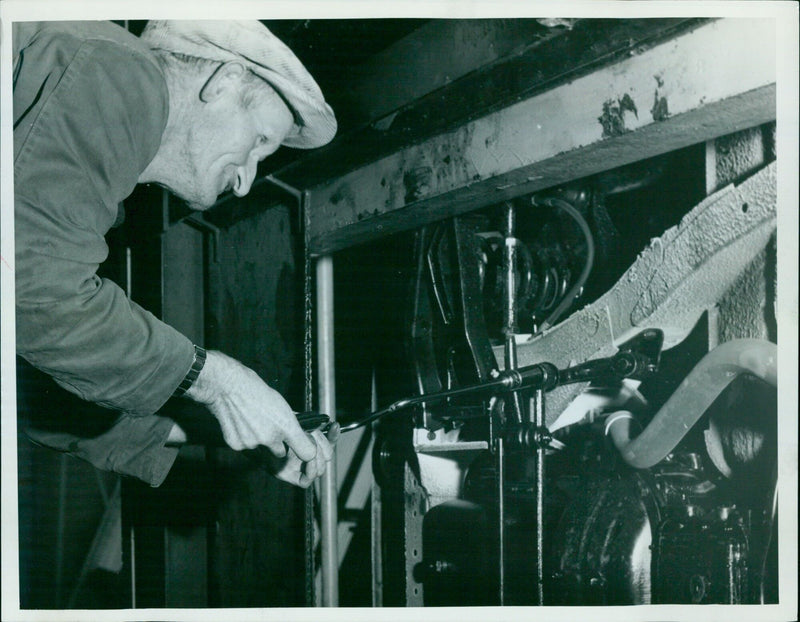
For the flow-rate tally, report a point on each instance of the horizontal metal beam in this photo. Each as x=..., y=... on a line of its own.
x=711, y=81
x=384, y=111
x=432, y=57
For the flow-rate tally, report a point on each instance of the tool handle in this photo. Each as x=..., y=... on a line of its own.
x=312, y=420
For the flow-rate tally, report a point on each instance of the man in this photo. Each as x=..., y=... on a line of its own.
x=192, y=106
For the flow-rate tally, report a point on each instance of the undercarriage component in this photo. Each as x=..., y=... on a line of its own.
x=670, y=285
x=697, y=392
x=701, y=559
x=604, y=535
x=521, y=506
x=667, y=536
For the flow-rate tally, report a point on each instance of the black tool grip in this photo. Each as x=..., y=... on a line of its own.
x=312, y=420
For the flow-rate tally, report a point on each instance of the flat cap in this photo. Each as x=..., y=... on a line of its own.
x=251, y=43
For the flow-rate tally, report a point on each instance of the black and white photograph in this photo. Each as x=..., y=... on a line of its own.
x=350, y=311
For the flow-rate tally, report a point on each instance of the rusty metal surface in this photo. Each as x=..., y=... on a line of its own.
x=669, y=286
x=442, y=74
x=711, y=81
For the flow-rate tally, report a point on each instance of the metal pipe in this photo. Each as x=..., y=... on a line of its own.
x=510, y=327
x=376, y=535
x=539, y=422
x=295, y=192
x=542, y=375
x=501, y=523
x=697, y=392
x=327, y=404
x=510, y=269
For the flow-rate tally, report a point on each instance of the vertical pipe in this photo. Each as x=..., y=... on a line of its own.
x=327, y=404
x=501, y=491
x=509, y=267
x=539, y=422
x=512, y=402
x=510, y=327
x=376, y=539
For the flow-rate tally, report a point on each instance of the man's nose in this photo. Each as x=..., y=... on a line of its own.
x=244, y=177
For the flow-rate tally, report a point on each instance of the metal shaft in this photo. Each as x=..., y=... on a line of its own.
x=510, y=327
x=327, y=404
x=539, y=421
x=501, y=527
x=510, y=270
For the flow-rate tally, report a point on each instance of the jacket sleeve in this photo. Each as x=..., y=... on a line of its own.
x=95, y=125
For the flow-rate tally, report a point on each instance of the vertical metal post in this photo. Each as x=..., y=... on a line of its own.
x=509, y=267
x=513, y=406
x=510, y=327
x=327, y=404
x=376, y=534
x=539, y=421
x=501, y=518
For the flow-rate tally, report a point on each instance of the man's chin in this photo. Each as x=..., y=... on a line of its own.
x=198, y=207
x=194, y=203
x=200, y=204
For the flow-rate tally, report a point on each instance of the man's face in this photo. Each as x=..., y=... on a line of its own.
x=227, y=141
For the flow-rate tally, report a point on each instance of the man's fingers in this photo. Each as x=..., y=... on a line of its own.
x=277, y=448
x=302, y=445
x=231, y=435
x=325, y=450
x=333, y=433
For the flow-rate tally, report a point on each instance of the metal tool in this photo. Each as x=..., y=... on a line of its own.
x=637, y=358
x=311, y=420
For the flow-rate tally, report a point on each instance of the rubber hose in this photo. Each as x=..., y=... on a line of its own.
x=715, y=371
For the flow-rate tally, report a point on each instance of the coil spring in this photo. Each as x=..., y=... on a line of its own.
x=543, y=280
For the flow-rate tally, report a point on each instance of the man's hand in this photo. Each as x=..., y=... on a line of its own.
x=251, y=414
x=294, y=471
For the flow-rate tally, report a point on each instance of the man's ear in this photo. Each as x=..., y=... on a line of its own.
x=227, y=76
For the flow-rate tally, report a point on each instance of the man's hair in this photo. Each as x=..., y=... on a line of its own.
x=183, y=67
x=255, y=89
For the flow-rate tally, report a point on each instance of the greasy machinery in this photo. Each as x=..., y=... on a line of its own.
x=619, y=456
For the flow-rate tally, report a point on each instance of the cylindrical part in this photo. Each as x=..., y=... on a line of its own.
x=539, y=421
x=514, y=401
x=501, y=522
x=510, y=270
x=540, y=376
x=327, y=404
x=696, y=393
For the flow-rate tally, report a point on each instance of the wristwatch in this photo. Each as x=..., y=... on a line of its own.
x=193, y=373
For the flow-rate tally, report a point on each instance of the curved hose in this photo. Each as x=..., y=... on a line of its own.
x=575, y=291
x=697, y=392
